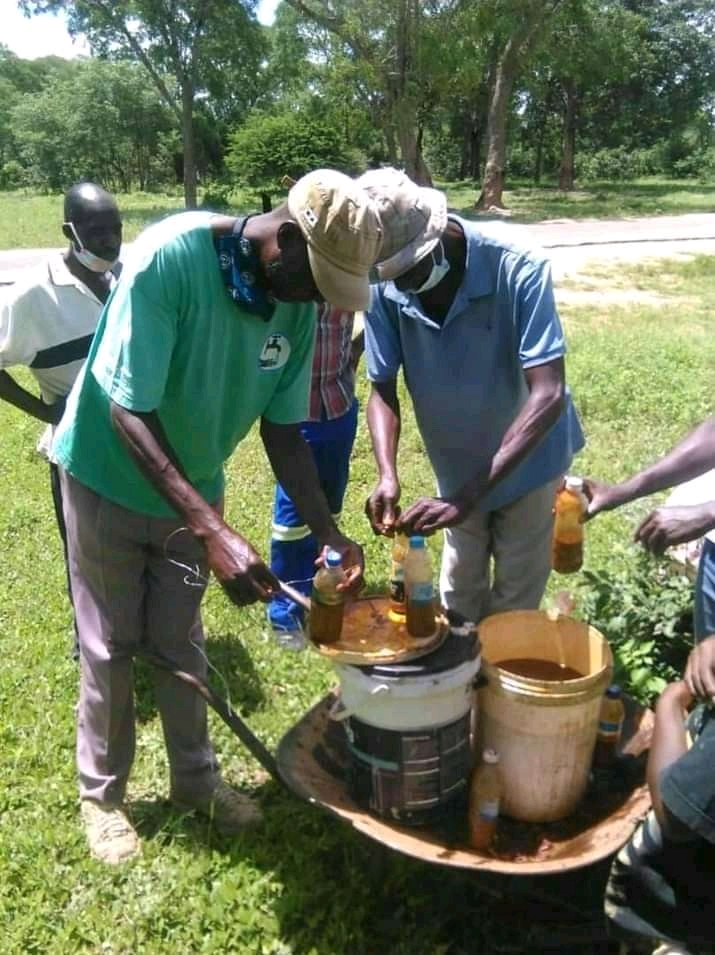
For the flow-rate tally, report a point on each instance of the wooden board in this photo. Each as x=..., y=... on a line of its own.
x=313, y=761
x=370, y=636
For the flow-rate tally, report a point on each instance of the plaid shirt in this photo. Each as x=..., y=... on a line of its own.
x=332, y=388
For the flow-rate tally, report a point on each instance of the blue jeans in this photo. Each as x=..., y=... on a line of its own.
x=705, y=593
x=293, y=548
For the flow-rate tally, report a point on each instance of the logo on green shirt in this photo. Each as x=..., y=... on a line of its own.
x=275, y=353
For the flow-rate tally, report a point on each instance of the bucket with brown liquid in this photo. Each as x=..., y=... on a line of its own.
x=545, y=677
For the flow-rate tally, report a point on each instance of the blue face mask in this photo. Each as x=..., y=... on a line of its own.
x=240, y=270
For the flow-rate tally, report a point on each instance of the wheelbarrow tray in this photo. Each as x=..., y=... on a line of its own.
x=313, y=761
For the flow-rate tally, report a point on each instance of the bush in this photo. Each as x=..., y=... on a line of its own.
x=621, y=164
x=216, y=199
x=268, y=148
x=12, y=175
x=645, y=613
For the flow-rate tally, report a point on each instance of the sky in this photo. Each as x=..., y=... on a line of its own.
x=47, y=35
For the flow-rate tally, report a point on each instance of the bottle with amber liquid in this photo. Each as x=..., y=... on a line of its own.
x=326, y=601
x=610, y=727
x=567, y=543
x=419, y=589
x=484, y=797
x=398, y=607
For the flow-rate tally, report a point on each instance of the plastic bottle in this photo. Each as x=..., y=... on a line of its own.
x=484, y=798
x=419, y=591
x=326, y=601
x=398, y=607
x=567, y=543
x=610, y=726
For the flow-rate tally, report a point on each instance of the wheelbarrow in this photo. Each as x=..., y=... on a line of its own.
x=313, y=761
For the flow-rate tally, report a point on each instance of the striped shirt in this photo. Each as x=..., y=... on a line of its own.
x=332, y=389
x=47, y=321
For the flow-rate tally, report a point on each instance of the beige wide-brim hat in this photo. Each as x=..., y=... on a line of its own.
x=412, y=219
x=342, y=230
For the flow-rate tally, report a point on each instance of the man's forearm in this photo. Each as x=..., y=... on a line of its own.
x=384, y=424
x=294, y=468
x=146, y=441
x=669, y=741
x=24, y=400
x=531, y=425
x=694, y=455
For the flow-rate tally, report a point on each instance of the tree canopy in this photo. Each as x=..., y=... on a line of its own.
x=477, y=90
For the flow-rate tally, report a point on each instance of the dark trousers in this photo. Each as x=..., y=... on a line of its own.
x=60, y=518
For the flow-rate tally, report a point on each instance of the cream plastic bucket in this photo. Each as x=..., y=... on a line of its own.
x=543, y=730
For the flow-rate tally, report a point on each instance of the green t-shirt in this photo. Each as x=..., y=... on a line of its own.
x=171, y=340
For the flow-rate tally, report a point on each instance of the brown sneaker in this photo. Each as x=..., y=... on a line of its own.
x=230, y=811
x=111, y=836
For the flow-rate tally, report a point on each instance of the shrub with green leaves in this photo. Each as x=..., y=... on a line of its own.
x=644, y=609
x=267, y=148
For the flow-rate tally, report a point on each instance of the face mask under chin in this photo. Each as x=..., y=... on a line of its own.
x=89, y=260
x=437, y=272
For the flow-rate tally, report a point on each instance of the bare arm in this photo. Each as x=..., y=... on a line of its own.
x=357, y=347
x=384, y=423
x=238, y=568
x=668, y=745
x=539, y=413
x=694, y=455
x=18, y=396
x=294, y=468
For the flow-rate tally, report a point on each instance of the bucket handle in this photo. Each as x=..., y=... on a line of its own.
x=339, y=711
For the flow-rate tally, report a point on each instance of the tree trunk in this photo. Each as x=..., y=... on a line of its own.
x=568, y=141
x=534, y=18
x=539, y=157
x=471, y=145
x=411, y=146
x=188, y=142
x=493, y=181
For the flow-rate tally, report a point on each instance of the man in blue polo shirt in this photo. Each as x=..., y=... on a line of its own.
x=471, y=320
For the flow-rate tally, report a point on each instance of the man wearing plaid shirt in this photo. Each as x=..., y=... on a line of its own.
x=330, y=433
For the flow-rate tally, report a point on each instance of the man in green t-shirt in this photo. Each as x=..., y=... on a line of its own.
x=210, y=328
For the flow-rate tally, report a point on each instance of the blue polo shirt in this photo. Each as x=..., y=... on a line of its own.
x=466, y=376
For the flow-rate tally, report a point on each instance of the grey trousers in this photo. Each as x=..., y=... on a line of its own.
x=500, y=560
x=130, y=599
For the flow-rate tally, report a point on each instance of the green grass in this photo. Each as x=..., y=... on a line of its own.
x=305, y=884
x=598, y=200
x=28, y=220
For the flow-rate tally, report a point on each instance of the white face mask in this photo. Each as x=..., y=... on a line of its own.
x=88, y=259
x=438, y=272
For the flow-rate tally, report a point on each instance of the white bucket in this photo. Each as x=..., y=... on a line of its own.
x=407, y=702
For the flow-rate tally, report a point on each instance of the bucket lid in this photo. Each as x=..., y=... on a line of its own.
x=456, y=650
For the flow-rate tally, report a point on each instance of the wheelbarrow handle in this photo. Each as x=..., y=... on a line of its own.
x=295, y=595
x=225, y=711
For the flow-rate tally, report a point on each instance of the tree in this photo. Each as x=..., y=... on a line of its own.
x=101, y=123
x=387, y=37
x=517, y=26
x=186, y=47
x=268, y=148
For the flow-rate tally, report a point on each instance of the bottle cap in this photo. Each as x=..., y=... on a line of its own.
x=490, y=756
x=333, y=558
x=573, y=483
x=613, y=692
x=416, y=541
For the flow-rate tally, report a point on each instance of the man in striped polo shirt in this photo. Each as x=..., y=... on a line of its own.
x=48, y=317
